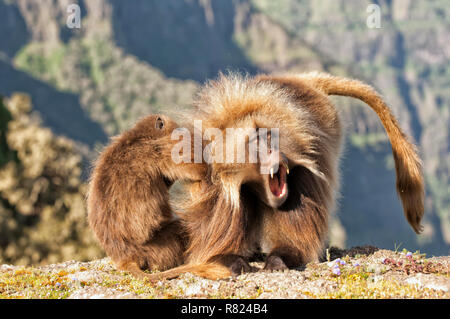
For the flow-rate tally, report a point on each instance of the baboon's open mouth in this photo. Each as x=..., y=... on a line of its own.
x=277, y=182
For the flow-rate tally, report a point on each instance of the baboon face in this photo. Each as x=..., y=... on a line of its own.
x=269, y=180
x=267, y=162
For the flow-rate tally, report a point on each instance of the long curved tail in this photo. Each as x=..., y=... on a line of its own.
x=210, y=270
x=408, y=166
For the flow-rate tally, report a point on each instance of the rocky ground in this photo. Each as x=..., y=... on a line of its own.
x=360, y=272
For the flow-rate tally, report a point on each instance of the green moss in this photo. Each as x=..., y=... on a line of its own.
x=31, y=283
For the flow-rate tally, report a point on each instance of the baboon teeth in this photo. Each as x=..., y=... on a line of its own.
x=286, y=166
x=271, y=172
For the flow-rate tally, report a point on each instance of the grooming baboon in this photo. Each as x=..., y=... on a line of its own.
x=284, y=215
x=128, y=199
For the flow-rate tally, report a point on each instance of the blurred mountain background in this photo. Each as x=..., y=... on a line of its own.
x=132, y=58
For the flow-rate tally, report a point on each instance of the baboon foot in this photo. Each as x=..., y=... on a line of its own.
x=240, y=266
x=274, y=262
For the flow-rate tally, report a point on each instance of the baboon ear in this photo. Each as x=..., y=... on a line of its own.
x=159, y=124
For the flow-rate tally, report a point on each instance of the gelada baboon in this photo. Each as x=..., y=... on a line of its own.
x=283, y=212
x=128, y=198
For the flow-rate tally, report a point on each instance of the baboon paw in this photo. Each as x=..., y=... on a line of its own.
x=240, y=266
x=275, y=263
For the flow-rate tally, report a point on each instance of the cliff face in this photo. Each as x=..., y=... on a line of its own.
x=130, y=59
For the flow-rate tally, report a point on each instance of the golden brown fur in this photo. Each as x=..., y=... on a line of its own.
x=234, y=217
x=410, y=185
x=128, y=200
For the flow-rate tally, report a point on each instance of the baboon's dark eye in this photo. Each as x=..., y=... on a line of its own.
x=159, y=123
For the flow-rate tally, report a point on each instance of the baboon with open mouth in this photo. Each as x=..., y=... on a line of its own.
x=283, y=212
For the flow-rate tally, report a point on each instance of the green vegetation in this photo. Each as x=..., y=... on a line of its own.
x=364, y=140
x=42, y=209
x=114, y=88
x=5, y=116
x=380, y=275
x=41, y=64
